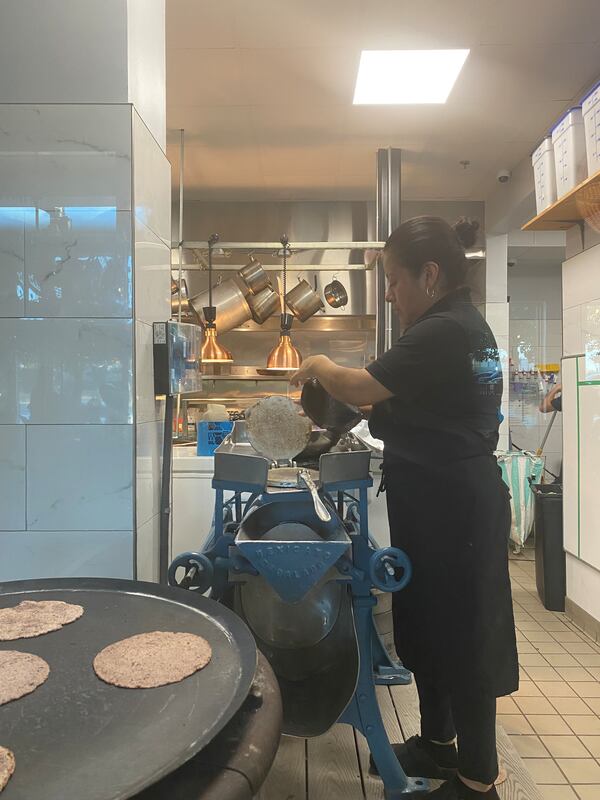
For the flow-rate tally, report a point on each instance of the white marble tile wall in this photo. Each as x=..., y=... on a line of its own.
x=149, y=443
x=84, y=271
x=79, y=266
x=152, y=276
x=12, y=262
x=12, y=477
x=147, y=63
x=65, y=554
x=65, y=156
x=147, y=550
x=79, y=477
x=77, y=52
x=152, y=181
x=65, y=371
x=148, y=408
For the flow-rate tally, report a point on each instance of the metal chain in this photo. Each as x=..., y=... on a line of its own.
x=285, y=244
x=213, y=239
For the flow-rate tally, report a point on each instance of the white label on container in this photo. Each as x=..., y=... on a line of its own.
x=160, y=333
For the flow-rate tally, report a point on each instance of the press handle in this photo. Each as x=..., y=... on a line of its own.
x=320, y=508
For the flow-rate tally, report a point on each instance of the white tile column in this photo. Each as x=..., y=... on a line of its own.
x=84, y=269
x=496, y=313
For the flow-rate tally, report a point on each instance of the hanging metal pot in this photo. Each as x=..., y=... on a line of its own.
x=303, y=301
x=229, y=300
x=254, y=276
x=264, y=304
x=336, y=294
x=177, y=299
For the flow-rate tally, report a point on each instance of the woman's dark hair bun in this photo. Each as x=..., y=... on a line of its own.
x=466, y=230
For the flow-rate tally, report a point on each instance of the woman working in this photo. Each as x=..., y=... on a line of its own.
x=436, y=405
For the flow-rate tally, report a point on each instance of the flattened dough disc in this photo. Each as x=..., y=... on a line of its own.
x=276, y=428
x=152, y=659
x=36, y=617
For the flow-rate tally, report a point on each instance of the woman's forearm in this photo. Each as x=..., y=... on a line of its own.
x=338, y=381
x=349, y=385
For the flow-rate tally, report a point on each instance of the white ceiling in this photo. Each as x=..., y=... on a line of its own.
x=264, y=92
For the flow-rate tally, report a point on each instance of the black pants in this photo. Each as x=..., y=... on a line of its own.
x=468, y=715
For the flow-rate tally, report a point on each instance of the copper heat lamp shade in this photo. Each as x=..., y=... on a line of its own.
x=212, y=351
x=284, y=355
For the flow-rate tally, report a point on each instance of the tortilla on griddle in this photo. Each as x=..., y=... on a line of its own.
x=36, y=617
x=7, y=766
x=152, y=659
x=20, y=674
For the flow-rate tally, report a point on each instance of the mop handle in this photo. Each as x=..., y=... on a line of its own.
x=540, y=449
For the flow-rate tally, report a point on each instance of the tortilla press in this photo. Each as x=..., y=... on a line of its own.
x=304, y=583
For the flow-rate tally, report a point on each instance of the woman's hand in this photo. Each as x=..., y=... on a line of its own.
x=546, y=405
x=311, y=367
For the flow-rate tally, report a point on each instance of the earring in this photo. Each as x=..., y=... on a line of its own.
x=430, y=292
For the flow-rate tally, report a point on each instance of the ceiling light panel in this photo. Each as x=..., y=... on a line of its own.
x=401, y=77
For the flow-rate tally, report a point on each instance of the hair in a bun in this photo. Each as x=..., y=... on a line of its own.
x=423, y=239
x=466, y=230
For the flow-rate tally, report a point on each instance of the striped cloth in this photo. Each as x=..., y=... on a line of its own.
x=517, y=469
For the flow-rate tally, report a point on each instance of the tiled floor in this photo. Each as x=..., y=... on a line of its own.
x=554, y=719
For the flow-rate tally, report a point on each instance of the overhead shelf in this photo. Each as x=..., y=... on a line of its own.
x=580, y=204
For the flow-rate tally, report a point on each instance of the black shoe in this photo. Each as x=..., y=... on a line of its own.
x=417, y=758
x=455, y=789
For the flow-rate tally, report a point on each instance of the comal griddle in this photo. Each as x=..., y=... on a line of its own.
x=79, y=738
x=304, y=587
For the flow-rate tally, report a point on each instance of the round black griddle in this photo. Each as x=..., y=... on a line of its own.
x=79, y=738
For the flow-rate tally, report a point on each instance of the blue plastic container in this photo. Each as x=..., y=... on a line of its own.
x=210, y=436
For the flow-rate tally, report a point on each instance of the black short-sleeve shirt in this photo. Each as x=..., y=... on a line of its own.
x=445, y=374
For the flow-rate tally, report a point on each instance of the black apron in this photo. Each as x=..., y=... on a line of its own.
x=448, y=507
x=453, y=624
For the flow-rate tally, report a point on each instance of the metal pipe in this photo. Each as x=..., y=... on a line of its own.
x=165, y=492
x=381, y=221
x=333, y=268
x=180, y=232
x=276, y=246
x=180, y=252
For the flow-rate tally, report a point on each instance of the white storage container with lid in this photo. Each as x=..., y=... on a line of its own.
x=568, y=140
x=591, y=122
x=544, y=175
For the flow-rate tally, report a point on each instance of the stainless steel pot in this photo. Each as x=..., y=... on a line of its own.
x=188, y=314
x=229, y=300
x=336, y=294
x=303, y=301
x=254, y=276
x=264, y=304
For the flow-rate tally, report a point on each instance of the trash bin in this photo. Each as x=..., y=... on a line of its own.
x=550, y=563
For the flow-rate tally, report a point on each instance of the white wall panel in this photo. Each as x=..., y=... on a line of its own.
x=581, y=278
x=589, y=474
x=572, y=333
x=570, y=457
